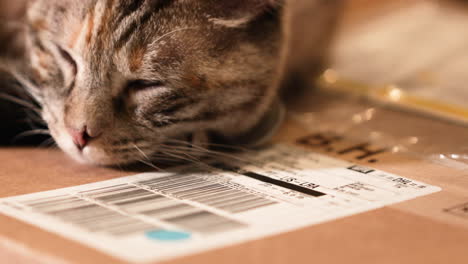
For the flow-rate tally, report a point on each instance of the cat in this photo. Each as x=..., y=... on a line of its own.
x=123, y=81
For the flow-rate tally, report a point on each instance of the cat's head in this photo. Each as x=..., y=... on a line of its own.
x=119, y=79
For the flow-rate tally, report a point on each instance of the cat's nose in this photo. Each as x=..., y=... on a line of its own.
x=80, y=137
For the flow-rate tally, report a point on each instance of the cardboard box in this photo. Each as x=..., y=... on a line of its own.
x=428, y=229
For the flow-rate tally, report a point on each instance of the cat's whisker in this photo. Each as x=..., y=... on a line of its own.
x=185, y=150
x=179, y=154
x=32, y=113
x=20, y=101
x=130, y=146
x=206, y=152
x=156, y=41
x=150, y=165
x=221, y=153
x=210, y=144
x=191, y=159
x=30, y=133
x=148, y=162
x=164, y=158
x=182, y=149
x=33, y=118
x=32, y=122
x=179, y=157
x=36, y=119
x=31, y=90
x=50, y=142
x=141, y=151
x=119, y=166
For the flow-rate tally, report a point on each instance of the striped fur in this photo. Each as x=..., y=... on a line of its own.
x=137, y=73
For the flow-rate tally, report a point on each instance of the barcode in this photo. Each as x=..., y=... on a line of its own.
x=89, y=216
x=125, y=202
x=126, y=209
x=200, y=190
x=136, y=201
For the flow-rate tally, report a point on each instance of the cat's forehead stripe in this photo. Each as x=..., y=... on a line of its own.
x=130, y=30
x=140, y=15
x=128, y=8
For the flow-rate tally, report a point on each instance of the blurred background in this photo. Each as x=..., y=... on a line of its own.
x=391, y=72
x=417, y=46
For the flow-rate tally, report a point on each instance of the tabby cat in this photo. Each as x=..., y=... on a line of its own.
x=120, y=81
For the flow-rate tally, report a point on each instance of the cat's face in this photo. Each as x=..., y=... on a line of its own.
x=116, y=79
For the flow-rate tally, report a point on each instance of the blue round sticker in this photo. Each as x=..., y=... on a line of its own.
x=167, y=235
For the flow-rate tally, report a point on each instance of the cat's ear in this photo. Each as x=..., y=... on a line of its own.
x=235, y=13
x=12, y=28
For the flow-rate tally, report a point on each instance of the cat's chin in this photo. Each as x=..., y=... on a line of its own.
x=91, y=155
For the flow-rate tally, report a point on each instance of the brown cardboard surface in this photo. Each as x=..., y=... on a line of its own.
x=31, y=242
x=430, y=229
x=26, y=170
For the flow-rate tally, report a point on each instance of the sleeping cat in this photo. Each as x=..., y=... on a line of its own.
x=120, y=81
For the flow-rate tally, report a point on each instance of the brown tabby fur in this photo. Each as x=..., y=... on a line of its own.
x=140, y=74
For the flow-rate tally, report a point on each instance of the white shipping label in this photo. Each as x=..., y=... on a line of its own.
x=156, y=216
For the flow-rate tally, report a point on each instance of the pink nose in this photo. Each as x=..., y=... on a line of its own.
x=80, y=137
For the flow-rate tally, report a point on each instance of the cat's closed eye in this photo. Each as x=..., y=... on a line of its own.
x=66, y=55
x=140, y=85
x=68, y=67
